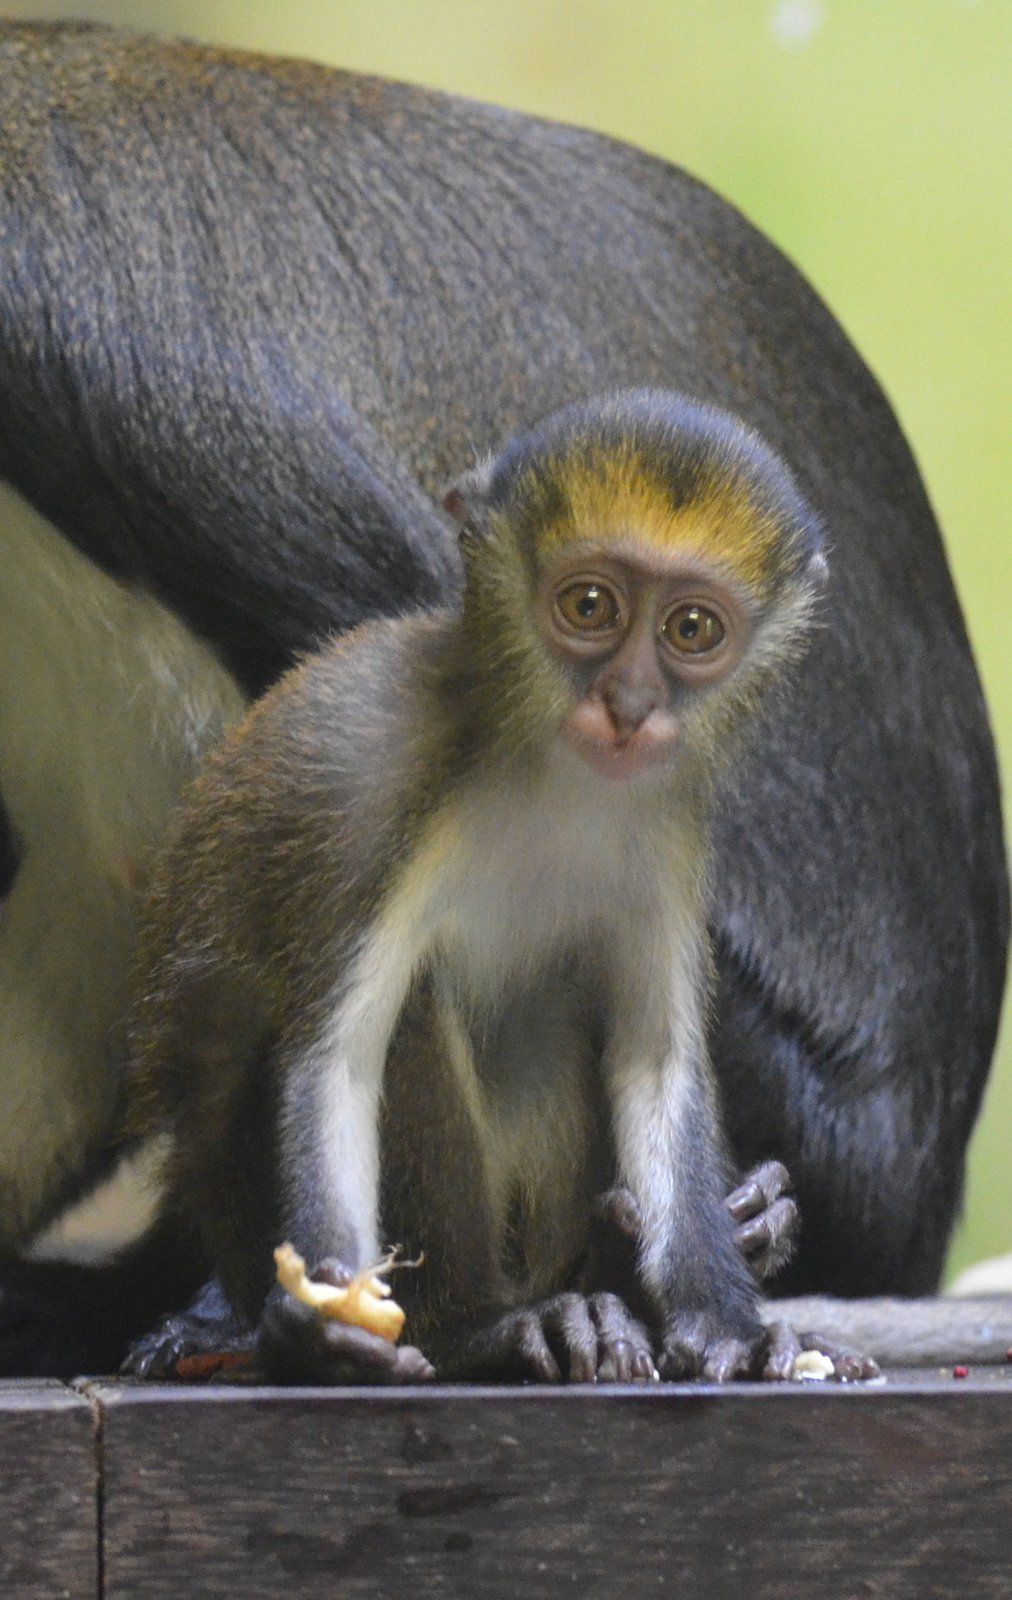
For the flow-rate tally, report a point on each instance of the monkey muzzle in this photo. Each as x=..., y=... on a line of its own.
x=618, y=753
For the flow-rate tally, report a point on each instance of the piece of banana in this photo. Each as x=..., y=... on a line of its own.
x=365, y=1302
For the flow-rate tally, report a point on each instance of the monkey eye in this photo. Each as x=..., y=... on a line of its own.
x=588, y=607
x=692, y=630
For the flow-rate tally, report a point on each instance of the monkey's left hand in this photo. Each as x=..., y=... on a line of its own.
x=688, y=1345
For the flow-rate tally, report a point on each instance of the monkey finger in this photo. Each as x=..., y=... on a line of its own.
x=767, y=1241
x=618, y=1210
x=295, y=1344
x=766, y=1184
x=783, y=1346
x=682, y=1350
x=331, y=1270
x=362, y=1357
x=411, y=1366
x=624, y=1349
x=614, y=1243
x=698, y=1344
x=573, y=1337
x=726, y=1359
x=849, y=1366
x=533, y=1349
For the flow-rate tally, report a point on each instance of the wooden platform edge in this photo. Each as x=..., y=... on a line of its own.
x=127, y=1491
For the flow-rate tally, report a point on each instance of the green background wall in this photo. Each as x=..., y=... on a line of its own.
x=869, y=138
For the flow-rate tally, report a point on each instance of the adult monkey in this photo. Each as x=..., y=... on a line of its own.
x=253, y=315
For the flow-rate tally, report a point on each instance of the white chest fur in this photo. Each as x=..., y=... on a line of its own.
x=532, y=871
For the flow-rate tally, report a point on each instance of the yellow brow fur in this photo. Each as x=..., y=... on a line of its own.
x=620, y=496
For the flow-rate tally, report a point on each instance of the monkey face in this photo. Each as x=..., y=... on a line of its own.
x=638, y=569
x=639, y=633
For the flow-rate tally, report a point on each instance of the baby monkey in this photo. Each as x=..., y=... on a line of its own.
x=428, y=960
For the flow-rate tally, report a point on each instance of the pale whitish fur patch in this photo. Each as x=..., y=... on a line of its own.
x=993, y=1276
x=345, y=1072
x=114, y=1215
x=657, y=1046
x=107, y=703
x=525, y=873
x=501, y=886
x=586, y=857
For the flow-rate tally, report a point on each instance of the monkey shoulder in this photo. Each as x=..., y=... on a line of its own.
x=329, y=763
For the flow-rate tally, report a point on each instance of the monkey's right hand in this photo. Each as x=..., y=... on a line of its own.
x=296, y=1344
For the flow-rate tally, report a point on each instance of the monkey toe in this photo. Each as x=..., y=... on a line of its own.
x=624, y=1351
x=295, y=1344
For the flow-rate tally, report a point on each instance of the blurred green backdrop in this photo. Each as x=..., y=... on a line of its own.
x=869, y=138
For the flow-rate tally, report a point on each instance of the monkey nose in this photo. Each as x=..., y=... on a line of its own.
x=629, y=705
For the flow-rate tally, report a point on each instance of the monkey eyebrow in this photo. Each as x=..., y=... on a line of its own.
x=629, y=550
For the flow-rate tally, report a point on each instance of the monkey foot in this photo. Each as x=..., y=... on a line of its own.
x=784, y=1345
x=692, y=1346
x=697, y=1345
x=766, y=1218
x=200, y=1342
x=569, y=1338
x=295, y=1344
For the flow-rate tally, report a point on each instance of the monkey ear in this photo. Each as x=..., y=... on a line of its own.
x=465, y=501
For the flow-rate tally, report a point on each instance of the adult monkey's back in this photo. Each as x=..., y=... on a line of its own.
x=253, y=315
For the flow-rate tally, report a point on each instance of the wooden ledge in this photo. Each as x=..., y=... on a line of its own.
x=901, y=1491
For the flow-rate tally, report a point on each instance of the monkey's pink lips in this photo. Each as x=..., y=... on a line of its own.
x=591, y=733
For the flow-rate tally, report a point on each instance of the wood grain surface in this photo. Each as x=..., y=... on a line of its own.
x=889, y=1492
x=899, y=1493
x=48, y=1493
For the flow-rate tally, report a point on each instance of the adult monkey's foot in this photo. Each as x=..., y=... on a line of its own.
x=204, y=1340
